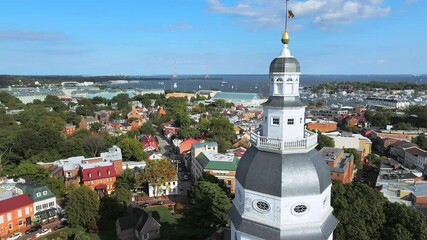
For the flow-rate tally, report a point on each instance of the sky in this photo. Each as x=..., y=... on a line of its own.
x=134, y=37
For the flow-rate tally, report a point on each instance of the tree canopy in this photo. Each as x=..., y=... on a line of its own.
x=82, y=206
x=132, y=150
x=156, y=173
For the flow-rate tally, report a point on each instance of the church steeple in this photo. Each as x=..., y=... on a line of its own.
x=283, y=185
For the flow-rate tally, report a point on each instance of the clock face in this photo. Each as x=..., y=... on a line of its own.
x=261, y=206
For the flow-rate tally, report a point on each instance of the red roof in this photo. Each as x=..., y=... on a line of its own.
x=14, y=203
x=186, y=145
x=98, y=173
x=148, y=141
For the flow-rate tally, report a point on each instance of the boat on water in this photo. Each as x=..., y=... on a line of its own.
x=175, y=85
x=223, y=83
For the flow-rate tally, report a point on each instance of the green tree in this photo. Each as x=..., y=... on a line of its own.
x=147, y=128
x=131, y=150
x=95, y=127
x=205, y=213
x=188, y=132
x=221, y=130
x=122, y=101
x=324, y=141
x=421, y=140
x=10, y=101
x=55, y=103
x=156, y=173
x=357, y=160
x=31, y=172
x=82, y=206
x=122, y=196
x=126, y=180
x=94, y=145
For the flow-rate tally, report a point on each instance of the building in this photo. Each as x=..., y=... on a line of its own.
x=283, y=185
x=387, y=103
x=44, y=207
x=245, y=99
x=15, y=213
x=198, y=148
x=138, y=224
x=185, y=145
x=340, y=163
x=149, y=143
x=362, y=144
x=188, y=96
x=322, y=126
x=86, y=122
x=415, y=158
x=99, y=177
x=69, y=129
x=219, y=165
x=398, y=150
x=170, y=188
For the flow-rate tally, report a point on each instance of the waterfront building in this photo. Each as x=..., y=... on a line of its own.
x=283, y=185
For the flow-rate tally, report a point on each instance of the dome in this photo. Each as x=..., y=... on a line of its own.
x=283, y=175
x=284, y=64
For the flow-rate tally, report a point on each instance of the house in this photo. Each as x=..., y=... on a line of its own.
x=149, y=143
x=196, y=149
x=162, y=111
x=99, y=177
x=138, y=224
x=363, y=145
x=170, y=188
x=133, y=114
x=185, y=145
x=170, y=131
x=322, y=126
x=15, y=213
x=44, y=206
x=340, y=163
x=69, y=129
x=219, y=165
x=415, y=158
x=398, y=149
x=85, y=122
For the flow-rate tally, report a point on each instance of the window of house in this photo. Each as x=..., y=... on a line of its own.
x=1, y=219
x=275, y=121
x=38, y=207
x=45, y=205
x=44, y=192
x=19, y=213
x=9, y=217
x=100, y=181
x=290, y=121
x=20, y=222
x=108, y=172
x=10, y=226
x=38, y=194
x=99, y=173
x=300, y=120
x=90, y=175
x=229, y=182
x=51, y=204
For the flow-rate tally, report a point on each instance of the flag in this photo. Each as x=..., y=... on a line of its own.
x=290, y=14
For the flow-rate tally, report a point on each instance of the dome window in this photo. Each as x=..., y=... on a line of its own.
x=300, y=209
x=261, y=206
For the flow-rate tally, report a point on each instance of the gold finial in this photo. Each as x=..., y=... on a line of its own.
x=285, y=37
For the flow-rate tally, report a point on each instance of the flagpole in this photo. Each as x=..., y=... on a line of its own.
x=286, y=15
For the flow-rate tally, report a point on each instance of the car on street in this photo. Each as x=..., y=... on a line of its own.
x=60, y=226
x=159, y=203
x=43, y=232
x=15, y=236
x=33, y=229
x=146, y=204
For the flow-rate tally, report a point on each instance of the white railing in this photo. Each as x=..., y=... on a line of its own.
x=280, y=145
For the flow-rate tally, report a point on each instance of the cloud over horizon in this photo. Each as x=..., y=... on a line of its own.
x=321, y=13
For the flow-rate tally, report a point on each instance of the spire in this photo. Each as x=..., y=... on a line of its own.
x=285, y=37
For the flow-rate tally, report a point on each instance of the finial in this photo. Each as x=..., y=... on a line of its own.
x=288, y=14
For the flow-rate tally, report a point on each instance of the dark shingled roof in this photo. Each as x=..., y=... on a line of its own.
x=288, y=64
x=138, y=218
x=281, y=101
x=280, y=174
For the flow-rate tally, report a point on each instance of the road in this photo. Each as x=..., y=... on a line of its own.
x=33, y=235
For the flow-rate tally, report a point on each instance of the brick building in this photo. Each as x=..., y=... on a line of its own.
x=340, y=163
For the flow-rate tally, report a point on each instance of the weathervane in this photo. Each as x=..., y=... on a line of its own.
x=288, y=14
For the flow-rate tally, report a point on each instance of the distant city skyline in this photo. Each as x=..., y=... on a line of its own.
x=210, y=36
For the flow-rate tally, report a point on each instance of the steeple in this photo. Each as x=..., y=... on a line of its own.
x=283, y=185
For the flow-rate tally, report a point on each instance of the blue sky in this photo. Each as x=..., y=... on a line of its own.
x=210, y=36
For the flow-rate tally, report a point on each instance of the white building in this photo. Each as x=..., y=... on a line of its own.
x=283, y=185
x=170, y=188
x=387, y=103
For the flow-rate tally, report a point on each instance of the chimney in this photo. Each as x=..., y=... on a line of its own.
x=206, y=147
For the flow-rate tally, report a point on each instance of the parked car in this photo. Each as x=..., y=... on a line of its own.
x=146, y=204
x=15, y=236
x=43, y=232
x=159, y=203
x=33, y=229
x=59, y=226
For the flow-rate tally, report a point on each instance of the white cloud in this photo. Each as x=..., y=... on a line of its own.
x=28, y=35
x=322, y=13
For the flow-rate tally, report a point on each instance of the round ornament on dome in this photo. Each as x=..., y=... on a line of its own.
x=300, y=209
x=285, y=38
x=261, y=206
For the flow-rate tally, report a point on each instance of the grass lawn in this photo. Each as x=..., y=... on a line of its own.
x=165, y=215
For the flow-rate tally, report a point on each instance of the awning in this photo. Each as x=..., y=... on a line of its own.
x=101, y=186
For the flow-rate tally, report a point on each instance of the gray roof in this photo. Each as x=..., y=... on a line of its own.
x=267, y=232
x=138, y=219
x=281, y=101
x=288, y=64
x=280, y=174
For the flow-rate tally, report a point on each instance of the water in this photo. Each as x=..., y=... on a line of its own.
x=255, y=83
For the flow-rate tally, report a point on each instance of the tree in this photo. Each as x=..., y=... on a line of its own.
x=206, y=211
x=221, y=130
x=324, y=141
x=357, y=160
x=122, y=196
x=126, y=180
x=359, y=210
x=95, y=127
x=147, y=128
x=82, y=206
x=55, y=103
x=31, y=172
x=131, y=150
x=93, y=145
x=188, y=132
x=156, y=173
x=122, y=100
x=421, y=140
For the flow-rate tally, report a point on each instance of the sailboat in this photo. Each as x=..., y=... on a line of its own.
x=223, y=83
x=175, y=85
x=200, y=86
